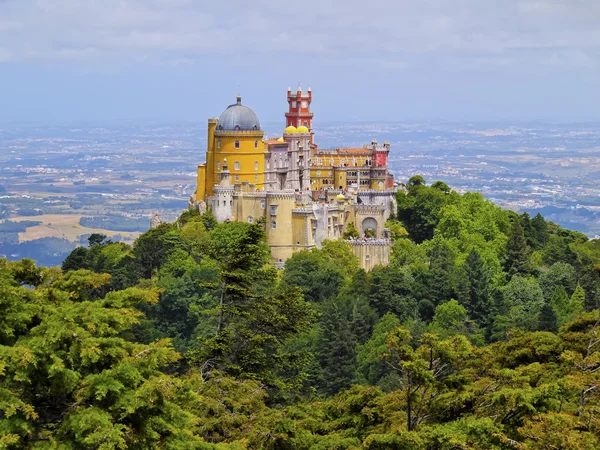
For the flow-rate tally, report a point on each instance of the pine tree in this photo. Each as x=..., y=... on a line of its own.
x=576, y=302
x=548, y=320
x=336, y=352
x=560, y=304
x=540, y=229
x=517, y=251
x=479, y=288
x=442, y=273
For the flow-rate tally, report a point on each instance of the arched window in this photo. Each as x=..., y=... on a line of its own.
x=273, y=224
x=219, y=143
x=237, y=144
x=255, y=165
x=250, y=219
x=255, y=144
x=218, y=165
x=236, y=165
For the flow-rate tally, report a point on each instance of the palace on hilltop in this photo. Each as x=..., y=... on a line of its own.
x=303, y=194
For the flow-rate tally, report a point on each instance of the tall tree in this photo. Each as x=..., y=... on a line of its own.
x=480, y=285
x=337, y=350
x=442, y=273
x=547, y=320
x=517, y=252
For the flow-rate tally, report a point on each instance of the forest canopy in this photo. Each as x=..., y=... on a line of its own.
x=482, y=333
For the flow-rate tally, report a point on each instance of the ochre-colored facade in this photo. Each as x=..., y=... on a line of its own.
x=304, y=194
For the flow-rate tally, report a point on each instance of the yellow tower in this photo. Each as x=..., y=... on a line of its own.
x=236, y=137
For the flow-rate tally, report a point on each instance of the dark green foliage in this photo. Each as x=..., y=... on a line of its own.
x=547, y=320
x=479, y=288
x=391, y=291
x=442, y=277
x=517, y=261
x=337, y=351
x=419, y=209
x=319, y=277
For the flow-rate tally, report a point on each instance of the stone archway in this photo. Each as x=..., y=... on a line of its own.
x=369, y=228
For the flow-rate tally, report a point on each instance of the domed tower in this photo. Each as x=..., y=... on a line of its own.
x=235, y=136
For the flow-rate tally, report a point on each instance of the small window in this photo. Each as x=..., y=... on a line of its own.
x=305, y=123
x=255, y=144
x=368, y=258
x=255, y=165
x=255, y=177
x=218, y=176
x=273, y=210
x=219, y=143
x=218, y=165
x=273, y=224
x=237, y=144
x=250, y=219
x=237, y=178
x=263, y=204
x=236, y=165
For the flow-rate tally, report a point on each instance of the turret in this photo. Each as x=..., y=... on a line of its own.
x=299, y=114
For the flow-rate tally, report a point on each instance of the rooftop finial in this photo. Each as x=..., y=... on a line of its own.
x=299, y=88
x=239, y=99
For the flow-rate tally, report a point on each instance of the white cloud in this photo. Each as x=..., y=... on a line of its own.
x=394, y=33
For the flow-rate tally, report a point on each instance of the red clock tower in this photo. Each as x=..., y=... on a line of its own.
x=299, y=110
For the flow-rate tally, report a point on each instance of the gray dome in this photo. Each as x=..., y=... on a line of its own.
x=238, y=117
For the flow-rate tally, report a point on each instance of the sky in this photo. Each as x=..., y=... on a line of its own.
x=375, y=60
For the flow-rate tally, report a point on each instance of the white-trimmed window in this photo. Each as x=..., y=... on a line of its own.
x=255, y=165
x=263, y=204
x=273, y=210
x=273, y=224
x=250, y=219
x=218, y=165
x=255, y=177
x=236, y=165
x=218, y=176
x=219, y=143
x=237, y=178
x=237, y=144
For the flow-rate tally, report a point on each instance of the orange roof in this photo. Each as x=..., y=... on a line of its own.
x=345, y=151
x=273, y=141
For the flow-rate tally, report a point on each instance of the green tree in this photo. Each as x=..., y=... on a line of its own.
x=423, y=370
x=419, y=209
x=547, y=320
x=371, y=368
x=479, y=288
x=558, y=274
x=517, y=251
x=70, y=380
x=319, y=277
x=336, y=350
x=390, y=291
x=442, y=275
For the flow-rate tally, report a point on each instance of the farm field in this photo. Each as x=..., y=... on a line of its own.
x=65, y=226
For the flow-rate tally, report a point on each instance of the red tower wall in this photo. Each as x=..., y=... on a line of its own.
x=299, y=110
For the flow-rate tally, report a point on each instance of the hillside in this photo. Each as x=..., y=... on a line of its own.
x=481, y=334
